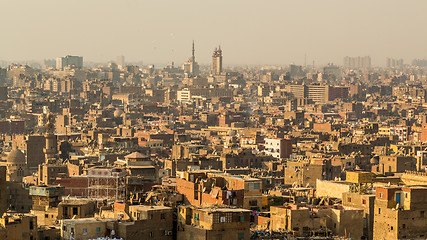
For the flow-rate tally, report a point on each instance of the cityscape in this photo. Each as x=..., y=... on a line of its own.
x=124, y=149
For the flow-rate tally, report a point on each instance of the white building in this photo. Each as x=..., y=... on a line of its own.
x=278, y=147
x=183, y=95
x=68, y=60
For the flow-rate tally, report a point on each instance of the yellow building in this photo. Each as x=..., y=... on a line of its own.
x=385, y=131
x=18, y=227
x=213, y=223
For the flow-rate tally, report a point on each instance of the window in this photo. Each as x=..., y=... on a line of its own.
x=379, y=210
x=84, y=231
x=381, y=195
x=196, y=216
x=422, y=214
x=253, y=203
x=241, y=235
x=364, y=201
x=391, y=228
x=31, y=225
x=46, y=216
x=241, y=218
x=151, y=234
x=403, y=225
x=75, y=211
x=222, y=219
x=349, y=199
x=162, y=216
x=98, y=230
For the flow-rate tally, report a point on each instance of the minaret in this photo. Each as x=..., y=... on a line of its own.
x=50, y=150
x=191, y=66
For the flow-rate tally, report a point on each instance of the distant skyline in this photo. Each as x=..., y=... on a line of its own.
x=251, y=32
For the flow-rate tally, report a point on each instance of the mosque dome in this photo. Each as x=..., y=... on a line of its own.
x=118, y=113
x=16, y=156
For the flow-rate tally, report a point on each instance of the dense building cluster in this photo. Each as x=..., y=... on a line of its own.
x=206, y=152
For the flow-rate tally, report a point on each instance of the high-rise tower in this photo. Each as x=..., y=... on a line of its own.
x=217, y=61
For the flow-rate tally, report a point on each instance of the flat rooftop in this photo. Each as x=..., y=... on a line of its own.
x=149, y=208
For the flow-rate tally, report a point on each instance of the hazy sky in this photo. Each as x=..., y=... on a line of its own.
x=249, y=31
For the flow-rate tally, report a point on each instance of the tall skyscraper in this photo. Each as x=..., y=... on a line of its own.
x=357, y=62
x=120, y=60
x=392, y=62
x=217, y=61
x=68, y=60
x=191, y=65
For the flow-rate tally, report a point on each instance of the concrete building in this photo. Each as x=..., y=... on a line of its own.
x=12, y=127
x=120, y=61
x=319, y=221
x=242, y=159
x=319, y=94
x=395, y=164
x=213, y=223
x=198, y=189
x=3, y=190
x=393, y=62
x=278, y=147
x=48, y=173
x=45, y=201
x=18, y=227
x=158, y=221
x=3, y=93
x=69, y=60
x=33, y=146
x=331, y=189
x=217, y=61
x=18, y=200
x=183, y=96
x=365, y=202
x=87, y=228
x=305, y=173
x=357, y=62
x=400, y=213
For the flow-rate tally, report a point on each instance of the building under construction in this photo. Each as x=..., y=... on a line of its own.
x=106, y=183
